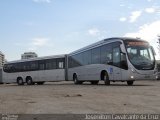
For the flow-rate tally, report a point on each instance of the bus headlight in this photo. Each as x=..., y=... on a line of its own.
x=155, y=71
x=133, y=70
x=132, y=77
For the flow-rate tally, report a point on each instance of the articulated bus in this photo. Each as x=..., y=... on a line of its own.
x=35, y=70
x=113, y=59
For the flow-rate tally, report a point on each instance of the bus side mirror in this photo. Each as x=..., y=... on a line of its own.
x=124, y=64
x=153, y=50
x=122, y=48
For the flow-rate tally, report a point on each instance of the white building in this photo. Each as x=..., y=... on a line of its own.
x=2, y=59
x=28, y=55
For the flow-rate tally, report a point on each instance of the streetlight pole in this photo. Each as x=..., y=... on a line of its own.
x=158, y=44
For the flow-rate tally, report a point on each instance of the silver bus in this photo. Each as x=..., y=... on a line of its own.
x=35, y=70
x=113, y=59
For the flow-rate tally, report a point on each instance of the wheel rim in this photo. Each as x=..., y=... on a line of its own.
x=130, y=82
x=20, y=81
x=29, y=82
x=75, y=79
x=106, y=79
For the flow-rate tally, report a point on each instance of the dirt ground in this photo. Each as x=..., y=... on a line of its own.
x=65, y=98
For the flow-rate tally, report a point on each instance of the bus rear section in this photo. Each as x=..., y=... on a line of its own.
x=37, y=70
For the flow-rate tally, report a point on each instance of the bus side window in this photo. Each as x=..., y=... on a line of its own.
x=50, y=64
x=116, y=56
x=41, y=65
x=61, y=65
x=95, y=58
x=106, y=54
x=109, y=58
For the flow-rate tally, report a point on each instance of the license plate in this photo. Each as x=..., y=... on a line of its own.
x=147, y=76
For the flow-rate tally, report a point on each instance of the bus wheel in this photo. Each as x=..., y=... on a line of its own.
x=75, y=79
x=130, y=83
x=29, y=81
x=20, y=81
x=94, y=82
x=106, y=79
x=40, y=83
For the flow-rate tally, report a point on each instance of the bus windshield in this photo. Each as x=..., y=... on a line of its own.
x=140, y=55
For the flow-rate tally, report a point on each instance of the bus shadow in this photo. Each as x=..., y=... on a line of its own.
x=115, y=85
x=84, y=84
x=98, y=85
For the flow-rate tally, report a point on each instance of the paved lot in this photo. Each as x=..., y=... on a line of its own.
x=65, y=97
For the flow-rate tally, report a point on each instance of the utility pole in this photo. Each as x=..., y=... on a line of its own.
x=159, y=44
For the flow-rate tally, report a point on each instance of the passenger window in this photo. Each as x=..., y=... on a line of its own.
x=116, y=57
x=87, y=57
x=60, y=65
x=106, y=54
x=41, y=67
x=96, y=55
x=51, y=64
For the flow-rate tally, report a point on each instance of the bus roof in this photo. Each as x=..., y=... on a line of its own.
x=124, y=38
x=105, y=41
x=37, y=58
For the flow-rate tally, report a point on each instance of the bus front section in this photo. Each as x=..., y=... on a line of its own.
x=141, y=60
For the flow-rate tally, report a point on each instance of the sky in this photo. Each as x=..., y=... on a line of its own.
x=52, y=27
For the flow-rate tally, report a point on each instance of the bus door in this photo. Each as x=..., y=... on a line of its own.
x=117, y=62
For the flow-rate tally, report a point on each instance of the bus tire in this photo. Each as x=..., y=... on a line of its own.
x=40, y=83
x=106, y=79
x=20, y=81
x=75, y=79
x=94, y=82
x=29, y=81
x=130, y=83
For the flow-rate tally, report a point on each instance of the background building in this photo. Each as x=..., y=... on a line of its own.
x=2, y=59
x=28, y=55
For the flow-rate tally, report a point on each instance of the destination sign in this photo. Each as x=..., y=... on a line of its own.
x=137, y=43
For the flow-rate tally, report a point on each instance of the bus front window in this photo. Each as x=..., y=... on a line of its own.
x=140, y=55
